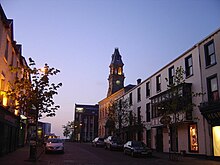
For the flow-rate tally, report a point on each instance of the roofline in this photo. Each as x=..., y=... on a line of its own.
x=184, y=53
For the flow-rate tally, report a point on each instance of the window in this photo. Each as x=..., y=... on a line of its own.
x=193, y=137
x=139, y=94
x=213, y=93
x=2, y=81
x=216, y=133
x=148, y=112
x=139, y=115
x=130, y=99
x=210, y=53
x=6, y=50
x=12, y=59
x=154, y=111
x=119, y=71
x=158, y=83
x=188, y=66
x=148, y=89
x=171, y=75
x=148, y=138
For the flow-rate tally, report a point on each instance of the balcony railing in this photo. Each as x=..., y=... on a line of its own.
x=173, y=101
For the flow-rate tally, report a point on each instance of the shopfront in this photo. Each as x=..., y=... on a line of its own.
x=9, y=129
x=212, y=114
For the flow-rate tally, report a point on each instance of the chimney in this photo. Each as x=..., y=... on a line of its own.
x=138, y=81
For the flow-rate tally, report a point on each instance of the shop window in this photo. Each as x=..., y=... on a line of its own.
x=216, y=140
x=194, y=147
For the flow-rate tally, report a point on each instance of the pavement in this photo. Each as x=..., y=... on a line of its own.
x=22, y=157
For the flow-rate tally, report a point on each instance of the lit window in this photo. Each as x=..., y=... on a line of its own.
x=119, y=71
x=194, y=147
x=216, y=140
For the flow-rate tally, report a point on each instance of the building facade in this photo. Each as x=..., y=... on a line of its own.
x=86, y=122
x=116, y=89
x=209, y=50
x=193, y=131
x=13, y=123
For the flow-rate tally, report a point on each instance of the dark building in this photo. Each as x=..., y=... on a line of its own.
x=86, y=122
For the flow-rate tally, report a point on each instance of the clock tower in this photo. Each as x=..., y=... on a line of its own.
x=116, y=76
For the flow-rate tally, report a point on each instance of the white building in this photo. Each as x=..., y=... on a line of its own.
x=193, y=130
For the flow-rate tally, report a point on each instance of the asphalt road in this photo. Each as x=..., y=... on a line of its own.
x=85, y=154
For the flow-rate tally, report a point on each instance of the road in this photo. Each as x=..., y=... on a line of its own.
x=85, y=154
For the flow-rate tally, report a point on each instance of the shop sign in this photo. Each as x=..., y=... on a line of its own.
x=165, y=120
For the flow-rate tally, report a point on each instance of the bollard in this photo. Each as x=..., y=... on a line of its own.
x=33, y=152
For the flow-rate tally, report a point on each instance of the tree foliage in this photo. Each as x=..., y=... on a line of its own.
x=68, y=129
x=32, y=92
x=177, y=98
x=121, y=116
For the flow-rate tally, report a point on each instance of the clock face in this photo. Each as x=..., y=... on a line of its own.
x=118, y=82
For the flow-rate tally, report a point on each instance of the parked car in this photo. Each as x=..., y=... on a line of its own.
x=54, y=145
x=98, y=142
x=137, y=148
x=113, y=143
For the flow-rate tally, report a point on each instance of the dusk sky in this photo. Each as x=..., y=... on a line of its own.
x=78, y=37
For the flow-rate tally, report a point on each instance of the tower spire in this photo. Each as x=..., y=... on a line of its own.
x=116, y=75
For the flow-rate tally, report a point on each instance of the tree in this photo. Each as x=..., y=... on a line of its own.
x=118, y=115
x=32, y=93
x=121, y=118
x=68, y=129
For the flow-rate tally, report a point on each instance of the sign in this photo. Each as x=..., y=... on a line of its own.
x=165, y=120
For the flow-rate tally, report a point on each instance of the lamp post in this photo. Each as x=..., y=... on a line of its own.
x=80, y=132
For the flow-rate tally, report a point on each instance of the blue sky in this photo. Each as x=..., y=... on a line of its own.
x=79, y=36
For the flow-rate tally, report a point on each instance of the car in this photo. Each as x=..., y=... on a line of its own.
x=98, y=142
x=54, y=145
x=137, y=148
x=113, y=143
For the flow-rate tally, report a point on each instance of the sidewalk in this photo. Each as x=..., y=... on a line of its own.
x=20, y=157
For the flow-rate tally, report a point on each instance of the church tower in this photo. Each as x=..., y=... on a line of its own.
x=116, y=76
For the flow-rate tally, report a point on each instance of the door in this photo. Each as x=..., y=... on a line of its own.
x=159, y=139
